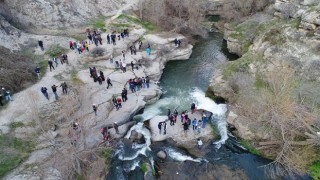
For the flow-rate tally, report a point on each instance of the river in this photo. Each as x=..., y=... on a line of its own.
x=184, y=82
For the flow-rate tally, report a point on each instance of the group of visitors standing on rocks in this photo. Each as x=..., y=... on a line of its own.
x=197, y=125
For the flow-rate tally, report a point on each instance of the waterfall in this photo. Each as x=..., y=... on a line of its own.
x=218, y=111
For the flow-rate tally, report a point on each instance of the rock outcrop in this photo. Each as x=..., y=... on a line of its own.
x=184, y=139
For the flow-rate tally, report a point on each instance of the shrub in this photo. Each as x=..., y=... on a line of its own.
x=97, y=51
x=144, y=167
x=56, y=50
x=315, y=170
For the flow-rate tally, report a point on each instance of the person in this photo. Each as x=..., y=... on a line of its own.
x=179, y=43
x=182, y=116
x=100, y=80
x=44, y=92
x=194, y=124
x=64, y=87
x=89, y=38
x=159, y=127
x=65, y=58
x=199, y=144
x=71, y=45
x=86, y=45
x=185, y=127
x=102, y=76
x=134, y=50
x=54, y=90
x=149, y=51
x=140, y=44
x=204, y=119
x=116, y=127
x=109, y=82
x=132, y=87
x=55, y=61
x=125, y=93
x=164, y=127
x=37, y=70
x=108, y=39
x=132, y=66
x=119, y=102
x=193, y=106
x=1, y=97
x=75, y=126
x=40, y=42
x=6, y=94
x=50, y=64
x=123, y=55
x=175, y=41
x=199, y=126
x=95, y=109
x=169, y=113
x=147, y=81
x=171, y=117
x=124, y=67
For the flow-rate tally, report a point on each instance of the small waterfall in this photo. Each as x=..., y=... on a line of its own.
x=138, y=148
x=180, y=157
x=218, y=111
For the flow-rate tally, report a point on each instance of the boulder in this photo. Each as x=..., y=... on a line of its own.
x=137, y=137
x=186, y=140
x=162, y=155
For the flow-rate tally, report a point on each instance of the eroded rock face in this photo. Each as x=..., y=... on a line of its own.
x=52, y=15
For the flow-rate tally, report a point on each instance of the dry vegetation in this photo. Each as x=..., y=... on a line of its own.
x=183, y=16
x=277, y=107
x=16, y=71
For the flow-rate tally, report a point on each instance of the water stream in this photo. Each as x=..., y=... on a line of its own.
x=184, y=82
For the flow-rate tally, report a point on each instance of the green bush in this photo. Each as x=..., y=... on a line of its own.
x=250, y=148
x=315, y=170
x=144, y=167
x=56, y=50
x=12, y=152
x=106, y=153
x=14, y=125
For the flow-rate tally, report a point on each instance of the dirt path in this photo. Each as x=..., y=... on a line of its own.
x=19, y=109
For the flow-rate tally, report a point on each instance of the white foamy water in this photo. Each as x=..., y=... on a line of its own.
x=218, y=110
x=140, y=148
x=180, y=157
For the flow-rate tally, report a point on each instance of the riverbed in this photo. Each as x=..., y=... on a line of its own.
x=182, y=83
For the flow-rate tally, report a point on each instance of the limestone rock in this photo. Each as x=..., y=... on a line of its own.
x=162, y=155
x=137, y=137
x=186, y=140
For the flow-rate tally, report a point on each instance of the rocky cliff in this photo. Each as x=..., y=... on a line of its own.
x=272, y=88
x=43, y=16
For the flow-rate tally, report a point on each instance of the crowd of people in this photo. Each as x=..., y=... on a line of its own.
x=63, y=86
x=186, y=122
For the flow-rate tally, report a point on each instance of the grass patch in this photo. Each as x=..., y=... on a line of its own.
x=215, y=131
x=315, y=170
x=13, y=151
x=79, y=37
x=106, y=153
x=74, y=77
x=260, y=82
x=14, y=125
x=145, y=24
x=99, y=23
x=250, y=148
x=144, y=167
x=56, y=50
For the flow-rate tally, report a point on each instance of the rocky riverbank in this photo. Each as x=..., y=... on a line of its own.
x=53, y=150
x=278, y=68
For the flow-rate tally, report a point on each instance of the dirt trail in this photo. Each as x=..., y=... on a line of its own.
x=19, y=109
